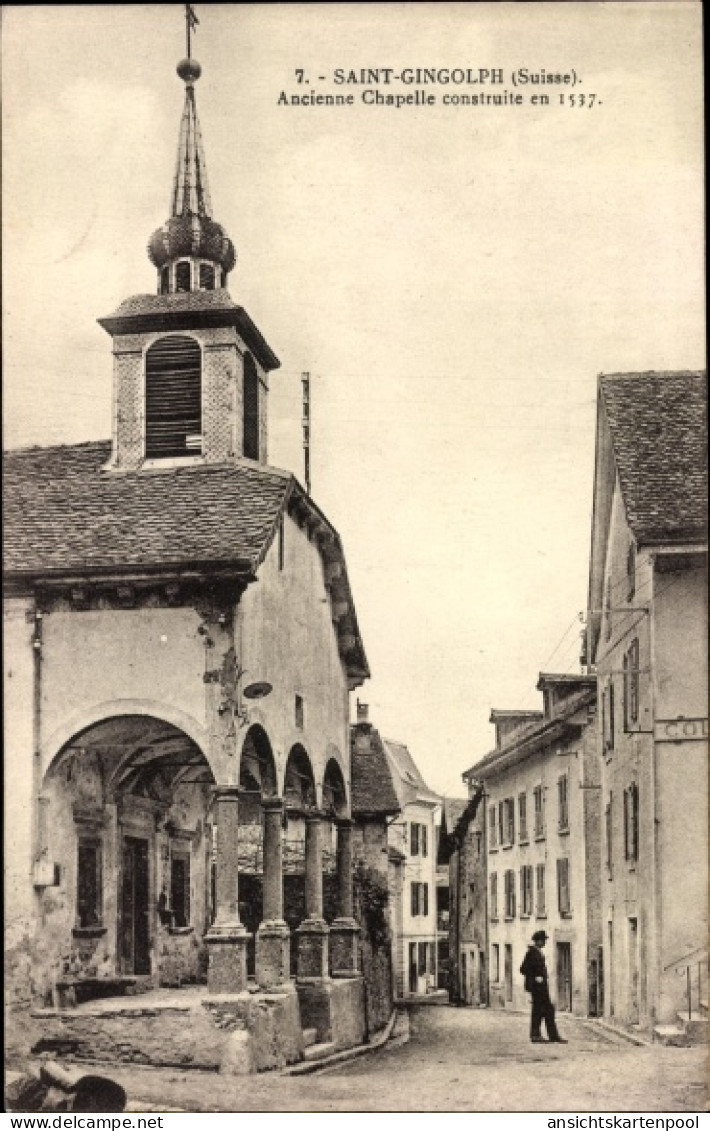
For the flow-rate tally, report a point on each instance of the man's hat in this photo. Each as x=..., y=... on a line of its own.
x=540, y=936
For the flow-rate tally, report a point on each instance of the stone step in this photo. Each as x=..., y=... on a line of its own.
x=695, y=1026
x=309, y=1037
x=319, y=1051
x=671, y=1035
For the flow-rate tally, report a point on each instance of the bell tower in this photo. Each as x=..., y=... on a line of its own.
x=190, y=367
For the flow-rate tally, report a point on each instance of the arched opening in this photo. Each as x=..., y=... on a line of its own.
x=183, y=272
x=206, y=277
x=335, y=800
x=126, y=828
x=251, y=408
x=173, y=398
x=257, y=780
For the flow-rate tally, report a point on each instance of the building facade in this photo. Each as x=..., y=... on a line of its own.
x=647, y=642
x=180, y=643
x=540, y=818
x=412, y=837
x=462, y=849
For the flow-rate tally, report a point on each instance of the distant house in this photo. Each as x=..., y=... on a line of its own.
x=647, y=640
x=413, y=835
x=540, y=816
x=462, y=852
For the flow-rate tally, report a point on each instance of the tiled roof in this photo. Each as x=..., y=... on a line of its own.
x=372, y=789
x=658, y=426
x=64, y=516
x=409, y=783
x=179, y=301
x=62, y=513
x=529, y=738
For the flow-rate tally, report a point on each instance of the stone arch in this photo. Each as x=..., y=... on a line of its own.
x=81, y=721
x=299, y=780
x=334, y=792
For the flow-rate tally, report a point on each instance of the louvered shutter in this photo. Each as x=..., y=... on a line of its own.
x=173, y=398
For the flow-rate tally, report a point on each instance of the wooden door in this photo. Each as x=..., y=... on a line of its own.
x=135, y=917
x=564, y=977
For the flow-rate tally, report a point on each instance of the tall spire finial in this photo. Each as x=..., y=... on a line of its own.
x=191, y=22
x=191, y=251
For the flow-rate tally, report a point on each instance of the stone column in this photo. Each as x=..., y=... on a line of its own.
x=313, y=931
x=344, y=932
x=273, y=947
x=227, y=937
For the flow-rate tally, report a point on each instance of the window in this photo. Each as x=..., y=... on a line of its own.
x=173, y=398
x=608, y=715
x=508, y=819
x=495, y=963
x=631, y=685
x=251, y=408
x=493, y=828
x=526, y=890
x=414, y=840
x=183, y=276
x=299, y=712
x=164, y=280
x=631, y=822
x=539, y=889
x=494, y=895
x=539, y=807
x=522, y=817
x=631, y=571
x=206, y=277
x=180, y=888
x=562, y=802
x=89, y=884
x=420, y=898
x=608, y=836
x=510, y=894
x=563, y=898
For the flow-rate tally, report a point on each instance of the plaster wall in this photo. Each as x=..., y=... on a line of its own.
x=285, y=636
x=119, y=656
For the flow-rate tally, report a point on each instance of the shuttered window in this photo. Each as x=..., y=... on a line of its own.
x=251, y=408
x=173, y=398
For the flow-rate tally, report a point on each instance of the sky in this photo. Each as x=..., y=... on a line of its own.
x=453, y=277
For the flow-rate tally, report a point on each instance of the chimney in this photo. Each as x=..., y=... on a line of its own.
x=362, y=712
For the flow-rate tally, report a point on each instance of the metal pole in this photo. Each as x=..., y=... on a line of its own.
x=306, y=382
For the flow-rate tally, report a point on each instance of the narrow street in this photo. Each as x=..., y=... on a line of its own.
x=456, y=1060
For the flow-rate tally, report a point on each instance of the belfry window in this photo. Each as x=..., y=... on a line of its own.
x=183, y=276
x=206, y=277
x=173, y=398
x=251, y=408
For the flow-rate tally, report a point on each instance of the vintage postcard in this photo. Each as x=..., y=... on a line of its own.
x=355, y=557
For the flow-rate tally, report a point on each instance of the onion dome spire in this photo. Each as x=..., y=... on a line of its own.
x=191, y=250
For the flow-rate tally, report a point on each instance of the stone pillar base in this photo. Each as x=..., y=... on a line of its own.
x=273, y=953
x=227, y=970
x=344, y=949
x=312, y=950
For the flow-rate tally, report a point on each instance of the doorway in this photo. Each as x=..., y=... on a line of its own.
x=413, y=969
x=134, y=927
x=633, y=971
x=564, y=977
x=508, y=969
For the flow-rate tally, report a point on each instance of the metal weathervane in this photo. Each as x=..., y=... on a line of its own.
x=191, y=22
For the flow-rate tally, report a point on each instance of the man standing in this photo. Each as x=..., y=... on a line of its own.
x=534, y=971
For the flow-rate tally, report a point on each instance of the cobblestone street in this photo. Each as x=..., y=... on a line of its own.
x=457, y=1060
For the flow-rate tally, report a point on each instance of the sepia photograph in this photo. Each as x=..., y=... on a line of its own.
x=355, y=561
